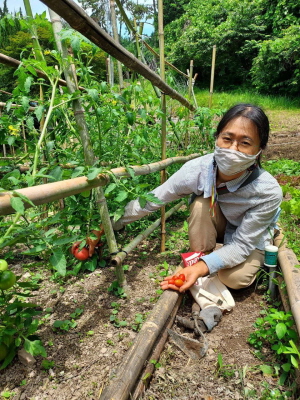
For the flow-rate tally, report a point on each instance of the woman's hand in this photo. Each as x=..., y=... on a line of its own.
x=191, y=274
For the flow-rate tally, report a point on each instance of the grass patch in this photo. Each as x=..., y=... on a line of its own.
x=225, y=100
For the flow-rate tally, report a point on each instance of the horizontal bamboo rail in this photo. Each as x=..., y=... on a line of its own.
x=12, y=62
x=48, y=192
x=80, y=21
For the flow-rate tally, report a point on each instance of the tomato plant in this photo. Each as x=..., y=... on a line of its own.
x=7, y=279
x=3, y=351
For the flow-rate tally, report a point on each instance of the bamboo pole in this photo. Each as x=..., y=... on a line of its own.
x=12, y=62
x=80, y=21
x=155, y=355
x=164, y=114
x=191, y=79
x=87, y=148
x=133, y=30
x=122, y=385
x=212, y=76
x=119, y=258
x=53, y=191
x=116, y=37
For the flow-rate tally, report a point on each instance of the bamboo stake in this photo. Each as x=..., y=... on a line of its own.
x=116, y=37
x=24, y=136
x=164, y=114
x=122, y=385
x=191, y=79
x=80, y=21
x=53, y=191
x=87, y=148
x=133, y=30
x=119, y=258
x=212, y=76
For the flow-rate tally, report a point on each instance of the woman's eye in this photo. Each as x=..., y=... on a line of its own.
x=245, y=144
x=227, y=140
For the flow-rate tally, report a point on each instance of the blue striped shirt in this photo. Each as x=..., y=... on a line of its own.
x=251, y=211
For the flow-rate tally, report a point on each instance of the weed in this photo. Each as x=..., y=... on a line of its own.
x=227, y=371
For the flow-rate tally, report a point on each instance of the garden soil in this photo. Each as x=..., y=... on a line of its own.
x=82, y=360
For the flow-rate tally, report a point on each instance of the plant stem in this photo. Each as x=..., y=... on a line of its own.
x=44, y=130
x=16, y=219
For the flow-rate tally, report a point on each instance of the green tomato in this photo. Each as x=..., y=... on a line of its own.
x=7, y=280
x=3, y=265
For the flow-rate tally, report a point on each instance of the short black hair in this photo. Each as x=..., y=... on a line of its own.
x=252, y=112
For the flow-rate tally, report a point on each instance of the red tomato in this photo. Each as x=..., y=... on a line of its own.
x=171, y=281
x=182, y=277
x=178, y=282
x=82, y=254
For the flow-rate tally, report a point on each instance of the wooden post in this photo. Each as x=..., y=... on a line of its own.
x=212, y=75
x=164, y=114
x=116, y=37
x=191, y=79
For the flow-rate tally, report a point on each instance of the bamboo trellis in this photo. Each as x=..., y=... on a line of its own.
x=81, y=22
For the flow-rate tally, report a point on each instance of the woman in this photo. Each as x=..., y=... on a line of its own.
x=234, y=201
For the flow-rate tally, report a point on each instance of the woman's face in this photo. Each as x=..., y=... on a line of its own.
x=240, y=134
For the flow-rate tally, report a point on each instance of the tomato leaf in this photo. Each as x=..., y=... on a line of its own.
x=121, y=196
x=17, y=204
x=58, y=261
x=280, y=330
x=35, y=347
x=266, y=369
x=23, y=197
x=93, y=173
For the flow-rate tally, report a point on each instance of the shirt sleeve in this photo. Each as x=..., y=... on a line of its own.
x=245, y=239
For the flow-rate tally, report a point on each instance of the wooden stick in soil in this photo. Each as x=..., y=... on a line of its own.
x=87, y=149
x=116, y=37
x=123, y=383
x=155, y=355
x=212, y=77
x=164, y=115
x=119, y=258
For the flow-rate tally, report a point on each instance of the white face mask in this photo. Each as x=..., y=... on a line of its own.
x=231, y=162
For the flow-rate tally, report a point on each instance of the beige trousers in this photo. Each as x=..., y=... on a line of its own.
x=205, y=231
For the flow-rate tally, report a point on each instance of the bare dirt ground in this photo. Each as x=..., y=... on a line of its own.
x=83, y=359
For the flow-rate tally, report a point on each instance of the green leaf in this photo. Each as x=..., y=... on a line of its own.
x=31, y=70
x=131, y=172
x=266, y=369
x=142, y=201
x=23, y=197
x=39, y=112
x=58, y=261
x=93, y=93
x=56, y=174
x=93, y=173
x=281, y=330
x=28, y=83
x=110, y=188
x=121, y=196
x=35, y=347
x=77, y=171
x=17, y=204
x=294, y=362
